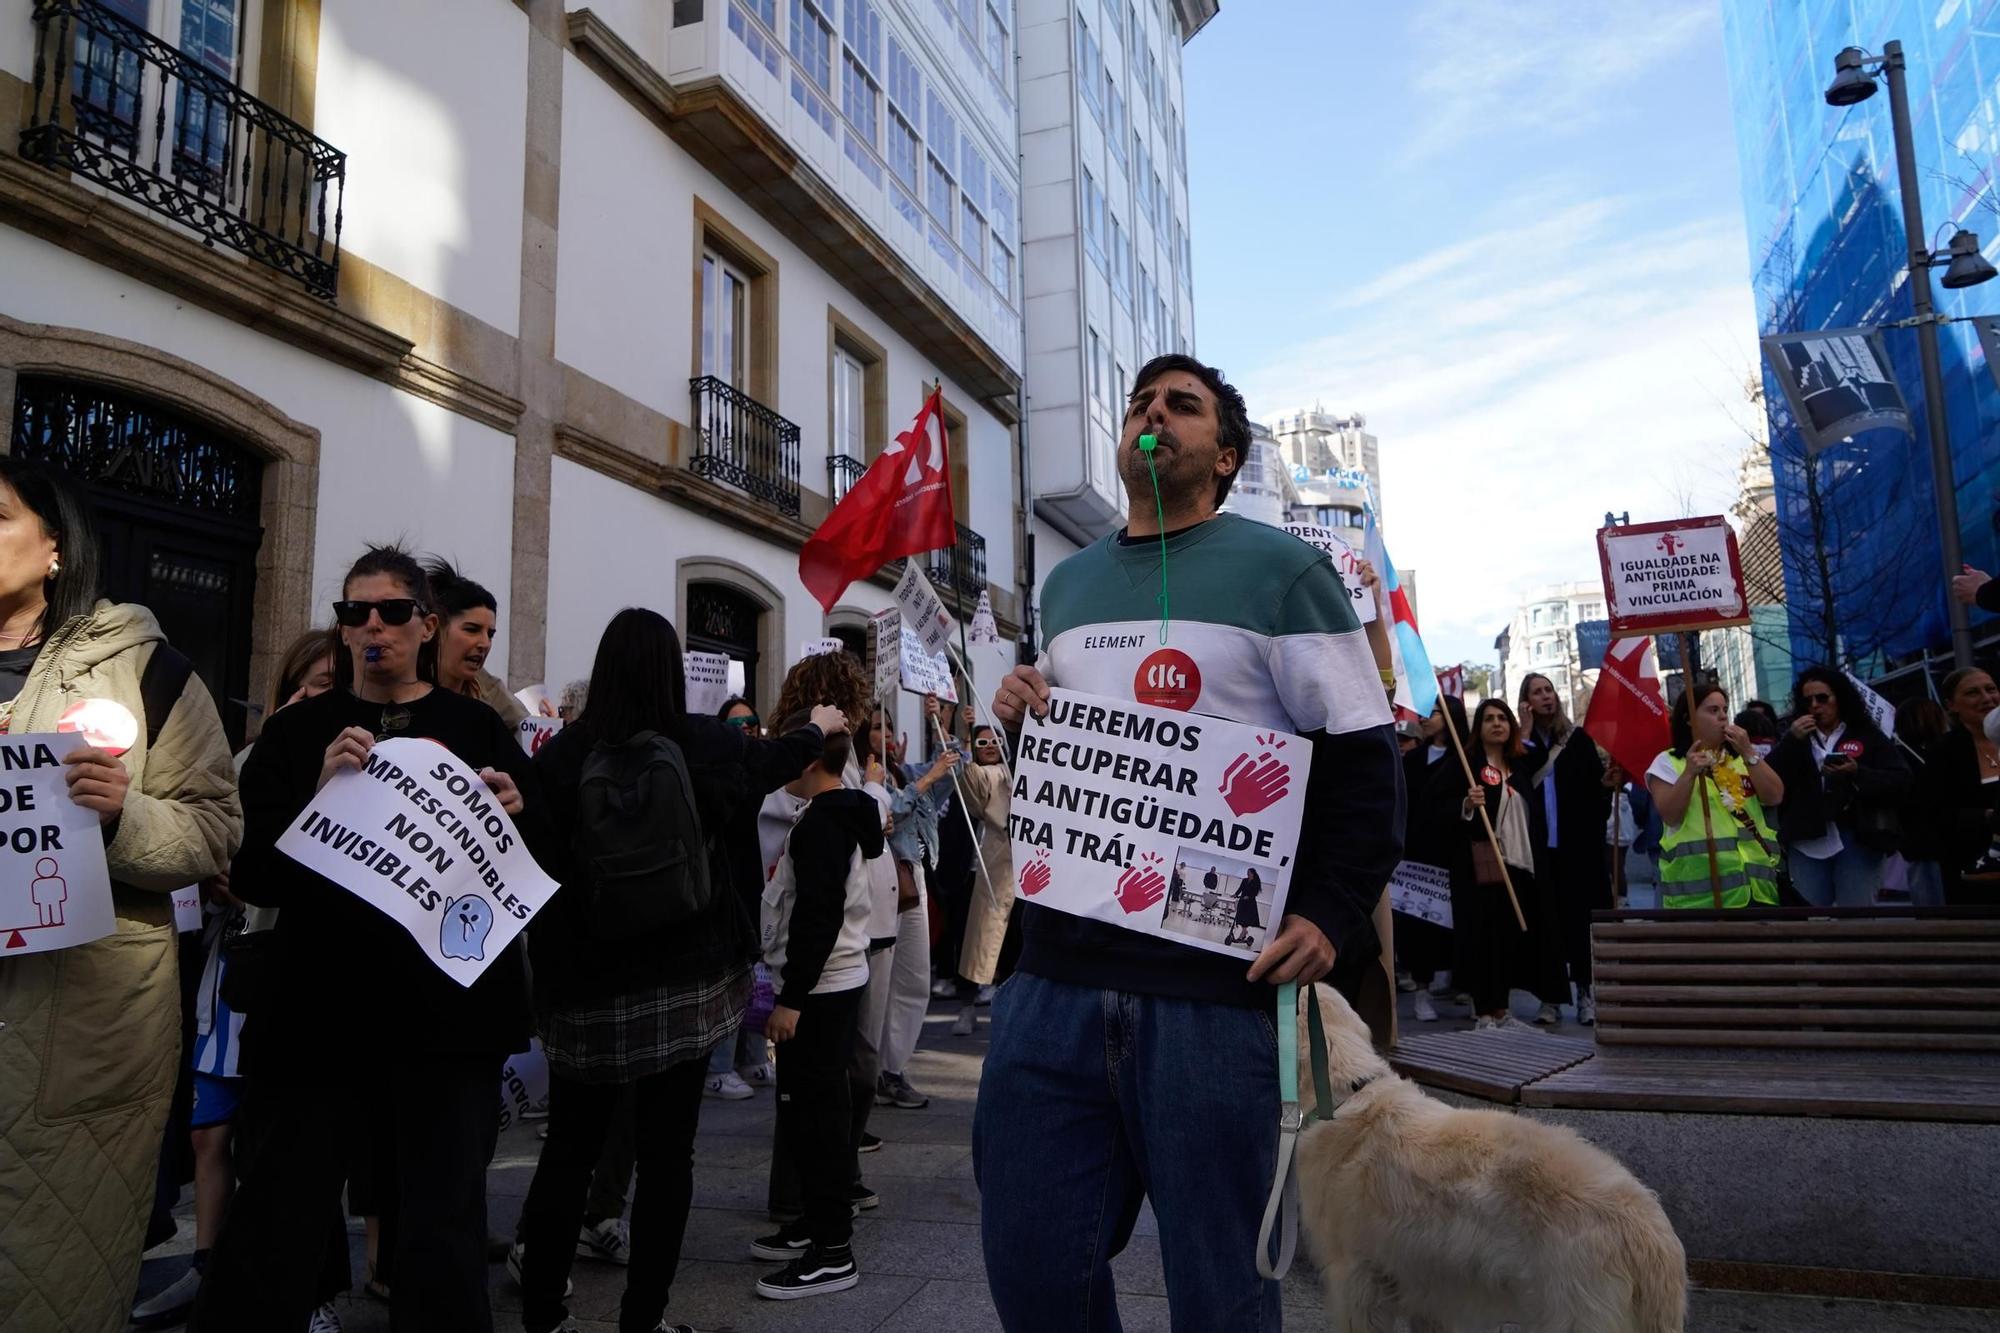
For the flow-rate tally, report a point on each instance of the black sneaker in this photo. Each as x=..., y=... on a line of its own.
x=781, y=1246
x=815, y=1273
x=869, y=1143
x=860, y=1196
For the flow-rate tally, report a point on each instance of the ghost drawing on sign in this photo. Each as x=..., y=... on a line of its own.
x=467, y=921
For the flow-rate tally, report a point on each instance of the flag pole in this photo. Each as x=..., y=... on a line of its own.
x=958, y=790
x=1486, y=820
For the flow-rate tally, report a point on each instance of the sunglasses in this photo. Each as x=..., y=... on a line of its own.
x=743, y=722
x=393, y=610
x=1819, y=698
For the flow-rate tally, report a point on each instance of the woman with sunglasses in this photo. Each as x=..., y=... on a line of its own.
x=1844, y=785
x=348, y=982
x=90, y=1034
x=468, y=623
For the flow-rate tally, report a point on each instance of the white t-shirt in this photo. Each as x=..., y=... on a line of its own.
x=1827, y=844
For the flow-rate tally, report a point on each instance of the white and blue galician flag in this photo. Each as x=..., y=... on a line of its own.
x=1416, y=682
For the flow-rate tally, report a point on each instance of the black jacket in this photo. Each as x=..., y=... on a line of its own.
x=1864, y=804
x=821, y=848
x=1583, y=810
x=730, y=769
x=347, y=977
x=1961, y=804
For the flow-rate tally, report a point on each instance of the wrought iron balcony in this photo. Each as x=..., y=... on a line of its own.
x=961, y=568
x=841, y=474
x=118, y=106
x=741, y=442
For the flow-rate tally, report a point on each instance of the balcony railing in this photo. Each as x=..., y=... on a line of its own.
x=841, y=474
x=961, y=568
x=118, y=106
x=742, y=443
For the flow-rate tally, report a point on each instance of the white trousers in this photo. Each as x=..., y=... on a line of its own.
x=909, y=987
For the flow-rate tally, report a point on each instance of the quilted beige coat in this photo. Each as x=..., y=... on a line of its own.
x=988, y=790
x=90, y=1036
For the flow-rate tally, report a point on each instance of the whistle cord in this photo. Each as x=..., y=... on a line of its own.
x=1147, y=443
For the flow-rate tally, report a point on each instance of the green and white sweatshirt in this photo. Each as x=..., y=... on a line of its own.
x=1263, y=633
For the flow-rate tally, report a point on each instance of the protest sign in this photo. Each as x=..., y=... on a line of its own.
x=535, y=698
x=1881, y=710
x=54, y=888
x=820, y=648
x=925, y=673
x=1345, y=563
x=524, y=1084
x=1838, y=382
x=707, y=676
x=1661, y=578
x=534, y=732
x=187, y=909
x=886, y=638
x=418, y=835
x=1421, y=891
x=923, y=613
x=984, y=629
x=1175, y=825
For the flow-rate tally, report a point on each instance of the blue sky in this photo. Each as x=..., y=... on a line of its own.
x=1510, y=233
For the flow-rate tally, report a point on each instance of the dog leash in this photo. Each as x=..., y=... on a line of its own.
x=1281, y=1210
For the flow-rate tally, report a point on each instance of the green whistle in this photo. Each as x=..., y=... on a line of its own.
x=1148, y=443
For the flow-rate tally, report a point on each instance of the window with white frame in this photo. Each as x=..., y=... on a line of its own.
x=971, y=234
x=725, y=321
x=861, y=61
x=1115, y=20
x=1117, y=128
x=211, y=32
x=1121, y=263
x=812, y=43
x=762, y=46
x=937, y=189
x=1089, y=68
x=996, y=42
x=1163, y=205
x=905, y=110
x=849, y=404
x=1000, y=267
x=1093, y=219
x=1100, y=372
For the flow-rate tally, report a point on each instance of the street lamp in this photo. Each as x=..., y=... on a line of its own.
x=1853, y=83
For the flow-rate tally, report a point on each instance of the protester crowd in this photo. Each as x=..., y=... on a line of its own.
x=1814, y=805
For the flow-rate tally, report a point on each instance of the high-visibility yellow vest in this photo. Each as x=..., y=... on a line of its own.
x=1745, y=867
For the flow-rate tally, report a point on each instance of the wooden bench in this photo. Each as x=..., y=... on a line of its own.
x=1492, y=1065
x=1824, y=980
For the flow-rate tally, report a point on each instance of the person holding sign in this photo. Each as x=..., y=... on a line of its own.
x=1120, y=1060
x=91, y=1030
x=1568, y=808
x=642, y=961
x=346, y=976
x=1844, y=781
x=1489, y=941
x=1713, y=789
x=1426, y=948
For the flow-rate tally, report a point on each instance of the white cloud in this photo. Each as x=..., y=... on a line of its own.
x=1526, y=380
x=1551, y=66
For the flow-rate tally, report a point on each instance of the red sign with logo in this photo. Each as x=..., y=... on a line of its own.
x=1168, y=679
x=1490, y=775
x=1672, y=577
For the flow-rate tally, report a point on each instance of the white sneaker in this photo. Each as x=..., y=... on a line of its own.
x=730, y=1087
x=967, y=1017
x=609, y=1241
x=985, y=996
x=944, y=988
x=1548, y=1016
x=1586, y=1009
x=1485, y=1023
x=759, y=1076
x=1404, y=982
x=1426, y=1011
x=324, y=1320
x=1441, y=983
x=1513, y=1024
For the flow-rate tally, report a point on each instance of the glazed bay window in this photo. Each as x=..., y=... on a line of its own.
x=1093, y=220
x=812, y=48
x=1089, y=69
x=1121, y=264
x=971, y=235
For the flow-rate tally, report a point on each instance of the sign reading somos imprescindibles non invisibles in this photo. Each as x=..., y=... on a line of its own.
x=1173, y=824
x=418, y=835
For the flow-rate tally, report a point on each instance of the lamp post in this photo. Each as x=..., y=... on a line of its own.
x=1852, y=83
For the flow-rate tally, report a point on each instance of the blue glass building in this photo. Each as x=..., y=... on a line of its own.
x=1827, y=251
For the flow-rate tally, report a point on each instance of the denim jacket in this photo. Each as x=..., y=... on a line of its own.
x=916, y=815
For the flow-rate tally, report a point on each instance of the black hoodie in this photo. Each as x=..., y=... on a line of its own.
x=833, y=891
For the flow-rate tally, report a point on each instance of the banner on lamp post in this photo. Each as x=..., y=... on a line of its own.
x=1838, y=383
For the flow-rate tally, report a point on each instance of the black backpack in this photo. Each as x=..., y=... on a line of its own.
x=639, y=839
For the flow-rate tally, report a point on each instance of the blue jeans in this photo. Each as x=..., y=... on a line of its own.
x=1848, y=878
x=1093, y=1101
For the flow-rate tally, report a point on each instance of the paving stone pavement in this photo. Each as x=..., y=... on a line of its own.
x=919, y=1252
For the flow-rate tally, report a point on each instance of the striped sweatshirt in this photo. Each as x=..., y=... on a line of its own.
x=1263, y=633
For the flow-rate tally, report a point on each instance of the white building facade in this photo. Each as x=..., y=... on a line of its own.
x=606, y=303
x=1540, y=639
x=1105, y=242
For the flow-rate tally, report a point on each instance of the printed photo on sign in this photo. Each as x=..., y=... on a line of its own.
x=55, y=890
x=419, y=836
x=1118, y=807
x=1838, y=383
x=1219, y=900
x=1422, y=891
x=1345, y=563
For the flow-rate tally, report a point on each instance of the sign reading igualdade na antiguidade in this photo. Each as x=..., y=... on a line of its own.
x=1173, y=824
x=418, y=835
x=1661, y=578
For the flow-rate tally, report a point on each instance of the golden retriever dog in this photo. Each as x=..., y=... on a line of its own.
x=1459, y=1220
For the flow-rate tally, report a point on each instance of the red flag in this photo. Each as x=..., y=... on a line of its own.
x=1628, y=709
x=901, y=506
